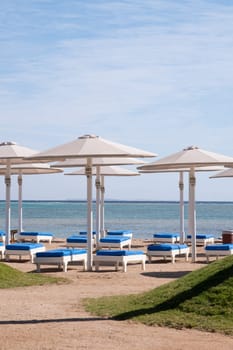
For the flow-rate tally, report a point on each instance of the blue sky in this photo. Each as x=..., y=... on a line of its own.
x=156, y=75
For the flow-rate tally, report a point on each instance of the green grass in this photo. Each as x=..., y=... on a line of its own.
x=11, y=278
x=203, y=299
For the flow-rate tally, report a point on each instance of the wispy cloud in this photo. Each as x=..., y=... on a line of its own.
x=117, y=68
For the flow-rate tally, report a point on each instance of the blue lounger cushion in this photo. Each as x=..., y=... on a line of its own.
x=119, y=232
x=119, y=252
x=201, y=236
x=114, y=239
x=77, y=239
x=60, y=252
x=219, y=247
x=23, y=246
x=85, y=232
x=165, y=247
x=2, y=233
x=27, y=233
x=166, y=235
x=1, y=244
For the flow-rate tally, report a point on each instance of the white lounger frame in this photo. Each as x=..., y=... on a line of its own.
x=2, y=238
x=217, y=253
x=29, y=252
x=170, y=253
x=117, y=260
x=79, y=244
x=202, y=241
x=2, y=251
x=120, y=245
x=172, y=240
x=33, y=238
x=61, y=261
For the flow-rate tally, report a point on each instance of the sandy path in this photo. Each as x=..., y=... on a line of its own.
x=52, y=317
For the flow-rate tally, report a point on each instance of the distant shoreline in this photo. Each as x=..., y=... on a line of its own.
x=113, y=201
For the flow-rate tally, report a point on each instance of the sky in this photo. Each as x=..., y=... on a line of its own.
x=152, y=74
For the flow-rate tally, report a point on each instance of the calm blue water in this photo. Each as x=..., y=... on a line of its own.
x=143, y=218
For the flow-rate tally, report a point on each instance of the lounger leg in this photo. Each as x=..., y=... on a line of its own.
x=37, y=267
x=117, y=266
x=207, y=258
x=187, y=256
x=173, y=259
x=143, y=265
x=96, y=266
x=84, y=265
x=149, y=259
x=65, y=267
x=124, y=266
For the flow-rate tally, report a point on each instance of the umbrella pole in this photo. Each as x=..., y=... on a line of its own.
x=102, y=230
x=192, y=212
x=181, y=187
x=97, y=184
x=8, y=203
x=88, y=171
x=20, y=206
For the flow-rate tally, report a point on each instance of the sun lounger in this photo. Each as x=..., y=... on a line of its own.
x=202, y=239
x=34, y=236
x=2, y=236
x=118, y=242
x=167, y=250
x=217, y=250
x=120, y=233
x=85, y=233
x=78, y=241
x=119, y=257
x=23, y=249
x=2, y=250
x=166, y=237
x=61, y=257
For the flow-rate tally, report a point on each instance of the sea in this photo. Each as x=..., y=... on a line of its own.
x=144, y=218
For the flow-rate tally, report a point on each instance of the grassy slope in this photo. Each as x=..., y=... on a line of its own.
x=11, y=278
x=202, y=299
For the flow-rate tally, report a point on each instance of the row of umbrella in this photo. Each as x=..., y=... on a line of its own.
x=87, y=147
x=91, y=151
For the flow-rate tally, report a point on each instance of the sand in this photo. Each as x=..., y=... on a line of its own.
x=52, y=317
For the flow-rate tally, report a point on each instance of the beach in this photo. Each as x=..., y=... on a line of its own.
x=53, y=317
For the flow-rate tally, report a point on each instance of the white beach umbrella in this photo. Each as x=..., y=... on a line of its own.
x=11, y=153
x=104, y=171
x=99, y=162
x=181, y=189
x=191, y=158
x=27, y=169
x=89, y=147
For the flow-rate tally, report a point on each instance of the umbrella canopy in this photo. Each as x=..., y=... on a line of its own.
x=192, y=158
x=90, y=146
x=225, y=173
x=14, y=153
x=107, y=171
x=78, y=162
x=189, y=157
x=104, y=171
x=11, y=153
x=87, y=146
x=27, y=169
